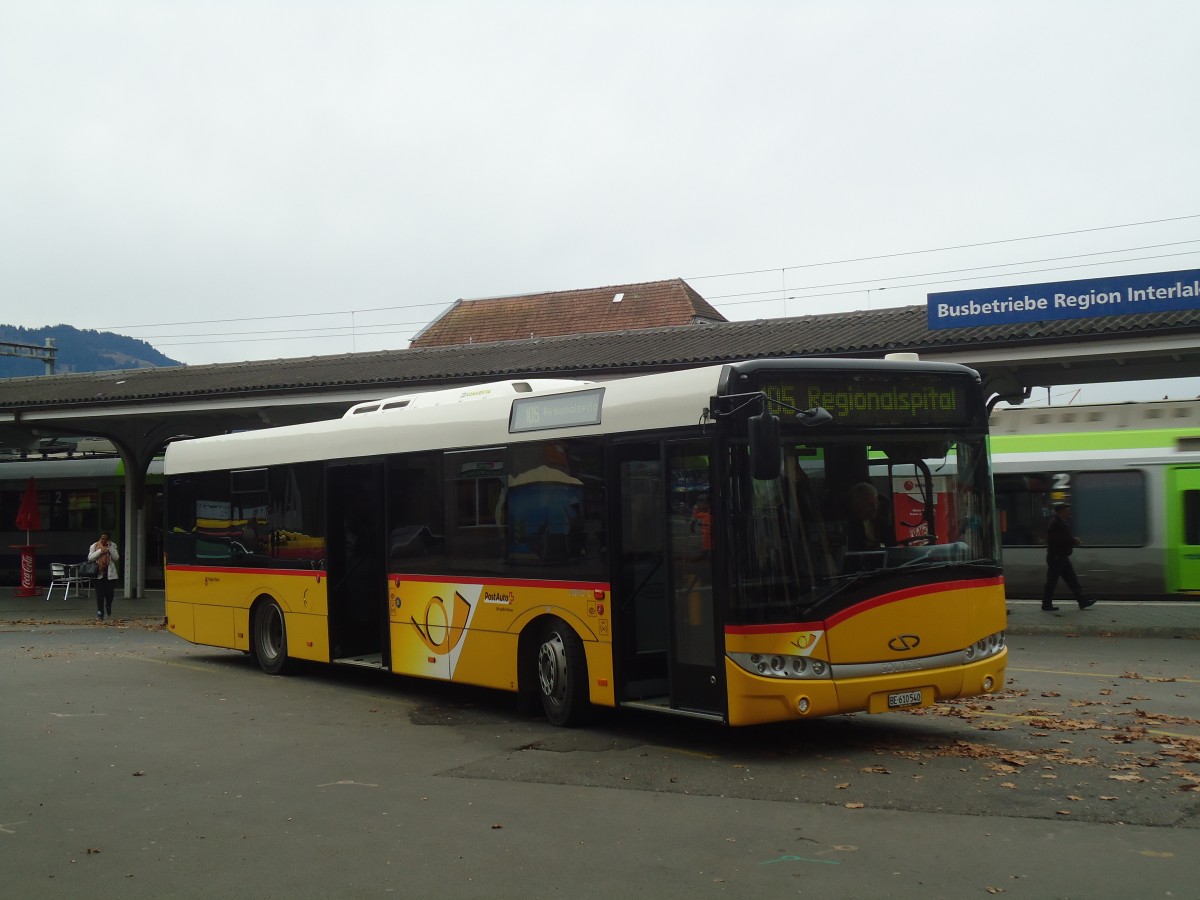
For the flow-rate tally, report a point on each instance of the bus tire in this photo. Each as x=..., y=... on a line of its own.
x=269, y=638
x=562, y=675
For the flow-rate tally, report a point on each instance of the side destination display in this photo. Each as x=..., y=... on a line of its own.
x=556, y=411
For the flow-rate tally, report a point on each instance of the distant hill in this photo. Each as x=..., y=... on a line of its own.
x=79, y=351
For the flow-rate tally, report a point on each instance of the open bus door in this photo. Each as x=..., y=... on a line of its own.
x=356, y=564
x=664, y=620
x=1183, y=529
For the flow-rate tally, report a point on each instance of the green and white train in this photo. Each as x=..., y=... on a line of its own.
x=1131, y=472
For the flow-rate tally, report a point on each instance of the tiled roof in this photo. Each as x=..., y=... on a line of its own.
x=857, y=334
x=622, y=307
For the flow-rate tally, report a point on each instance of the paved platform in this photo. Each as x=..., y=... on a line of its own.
x=1108, y=618
x=75, y=610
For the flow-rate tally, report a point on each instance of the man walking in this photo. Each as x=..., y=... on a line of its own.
x=1060, y=544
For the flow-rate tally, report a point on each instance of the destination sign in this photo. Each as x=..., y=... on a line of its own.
x=874, y=400
x=556, y=411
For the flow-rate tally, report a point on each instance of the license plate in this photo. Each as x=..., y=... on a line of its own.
x=904, y=698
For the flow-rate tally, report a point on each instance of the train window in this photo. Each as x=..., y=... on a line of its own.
x=1191, y=517
x=1022, y=503
x=1110, y=508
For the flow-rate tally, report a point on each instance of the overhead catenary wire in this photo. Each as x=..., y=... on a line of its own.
x=350, y=331
x=797, y=292
x=950, y=280
x=1034, y=237
x=1028, y=262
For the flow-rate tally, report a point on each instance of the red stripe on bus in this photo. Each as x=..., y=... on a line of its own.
x=896, y=596
x=856, y=609
x=787, y=628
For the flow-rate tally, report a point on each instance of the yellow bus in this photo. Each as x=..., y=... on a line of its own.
x=691, y=541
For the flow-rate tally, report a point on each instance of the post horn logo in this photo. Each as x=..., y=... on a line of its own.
x=448, y=628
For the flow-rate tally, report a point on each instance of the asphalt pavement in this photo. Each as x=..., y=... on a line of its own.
x=1108, y=618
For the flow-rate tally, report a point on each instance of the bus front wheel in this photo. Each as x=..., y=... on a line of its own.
x=270, y=638
x=562, y=675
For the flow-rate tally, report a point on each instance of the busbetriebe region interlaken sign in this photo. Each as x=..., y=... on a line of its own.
x=1119, y=296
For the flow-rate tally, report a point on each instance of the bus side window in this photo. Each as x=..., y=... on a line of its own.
x=416, y=514
x=474, y=483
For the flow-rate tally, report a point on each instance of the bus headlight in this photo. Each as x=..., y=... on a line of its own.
x=985, y=647
x=781, y=665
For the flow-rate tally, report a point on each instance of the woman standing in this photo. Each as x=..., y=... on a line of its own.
x=104, y=554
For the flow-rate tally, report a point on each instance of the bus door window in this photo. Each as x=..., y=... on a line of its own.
x=692, y=553
x=640, y=569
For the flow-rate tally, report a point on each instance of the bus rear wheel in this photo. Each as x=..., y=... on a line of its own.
x=562, y=675
x=269, y=638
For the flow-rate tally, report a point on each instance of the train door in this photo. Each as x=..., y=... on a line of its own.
x=1183, y=528
x=665, y=625
x=356, y=564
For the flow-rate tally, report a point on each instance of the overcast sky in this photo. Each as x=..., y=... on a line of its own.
x=250, y=179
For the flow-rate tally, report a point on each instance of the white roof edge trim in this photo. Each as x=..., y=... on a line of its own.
x=464, y=394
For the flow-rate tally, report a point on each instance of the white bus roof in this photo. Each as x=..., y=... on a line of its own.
x=478, y=418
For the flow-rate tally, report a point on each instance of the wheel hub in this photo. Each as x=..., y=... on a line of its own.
x=552, y=666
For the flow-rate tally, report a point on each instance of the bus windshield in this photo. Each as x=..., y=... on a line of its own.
x=846, y=510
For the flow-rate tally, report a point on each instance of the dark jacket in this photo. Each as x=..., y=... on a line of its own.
x=1060, y=541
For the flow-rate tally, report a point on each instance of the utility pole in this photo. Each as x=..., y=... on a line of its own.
x=46, y=354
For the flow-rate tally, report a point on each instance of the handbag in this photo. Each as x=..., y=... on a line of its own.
x=89, y=569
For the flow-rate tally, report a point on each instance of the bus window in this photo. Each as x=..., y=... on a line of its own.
x=552, y=508
x=416, y=514
x=296, y=515
x=474, y=482
x=797, y=539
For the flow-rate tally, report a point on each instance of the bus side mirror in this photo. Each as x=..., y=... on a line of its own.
x=766, y=454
